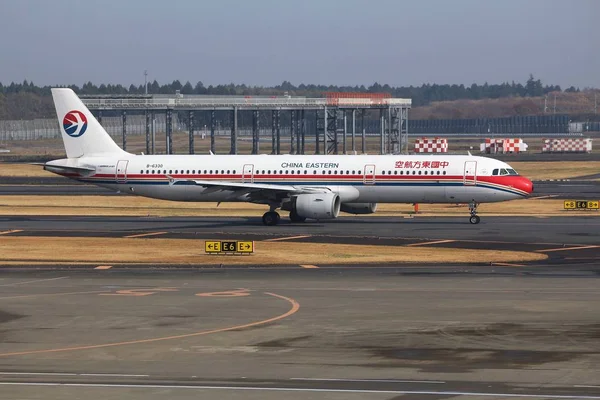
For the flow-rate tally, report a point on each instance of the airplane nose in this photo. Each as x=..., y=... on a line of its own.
x=525, y=185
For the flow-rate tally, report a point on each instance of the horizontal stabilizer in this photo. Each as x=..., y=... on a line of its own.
x=63, y=169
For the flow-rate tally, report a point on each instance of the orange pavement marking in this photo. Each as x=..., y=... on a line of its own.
x=568, y=248
x=229, y=293
x=139, y=292
x=428, y=243
x=308, y=266
x=145, y=234
x=294, y=309
x=286, y=238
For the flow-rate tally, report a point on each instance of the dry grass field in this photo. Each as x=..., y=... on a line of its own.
x=179, y=251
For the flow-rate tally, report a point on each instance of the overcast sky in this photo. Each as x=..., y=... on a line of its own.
x=264, y=42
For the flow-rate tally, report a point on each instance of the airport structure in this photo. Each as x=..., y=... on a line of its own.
x=336, y=117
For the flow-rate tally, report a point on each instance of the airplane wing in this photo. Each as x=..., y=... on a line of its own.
x=255, y=190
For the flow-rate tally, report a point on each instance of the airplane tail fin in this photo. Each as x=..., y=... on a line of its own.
x=82, y=134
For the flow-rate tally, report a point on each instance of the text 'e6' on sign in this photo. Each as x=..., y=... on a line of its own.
x=229, y=246
x=581, y=205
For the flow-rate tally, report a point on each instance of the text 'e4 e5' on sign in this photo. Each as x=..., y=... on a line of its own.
x=229, y=246
x=581, y=204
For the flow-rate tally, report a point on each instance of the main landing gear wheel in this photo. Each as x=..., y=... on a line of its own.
x=271, y=218
x=294, y=217
x=474, y=219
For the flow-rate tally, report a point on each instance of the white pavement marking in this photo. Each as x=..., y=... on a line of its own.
x=11, y=231
x=568, y=248
x=365, y=380
x=314, y=390
x=286, y=238
x=71, y=374
x=35, y=281
x=145, y=234
x=428, y=243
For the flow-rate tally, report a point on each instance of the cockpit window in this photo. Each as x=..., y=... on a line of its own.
x=503, y=171
x=512, y=171
x=495, y=171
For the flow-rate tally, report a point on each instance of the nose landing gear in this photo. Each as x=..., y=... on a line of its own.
x=474, y=219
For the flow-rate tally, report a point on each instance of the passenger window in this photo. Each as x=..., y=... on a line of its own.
x=438, y=172
x=419, y=172
x=152, y=171
x=382, y=172
x=305, y=172
x=444, y=172
x=315, y=172
x=414, y=172
x=292, y=172
x=329, y=172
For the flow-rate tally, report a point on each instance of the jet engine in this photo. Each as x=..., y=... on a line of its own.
x=359, y=208
x=318, y=205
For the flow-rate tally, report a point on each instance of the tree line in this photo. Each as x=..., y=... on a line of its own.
x=27, y=100
x=420, y=95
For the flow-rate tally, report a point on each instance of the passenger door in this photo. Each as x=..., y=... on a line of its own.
x=369, y=174
x=121, y=171
x=470, y=173
x=248, y=173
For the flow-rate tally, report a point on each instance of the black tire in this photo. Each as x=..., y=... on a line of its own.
x=294, y=217
x=474, y=219
x=270, y=218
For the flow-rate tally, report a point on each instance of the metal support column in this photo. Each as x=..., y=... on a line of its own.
x=381, y=131
x=345, y=131
x=325, y=134
x=292, y=132
x=124, y=115
x=404, y=128
x=191, y=130
x=213, y=125
x=396, y=137
x=147, y=115
x=302, y=132
x=317, y=133
x=278, y=132
x=153, y=118
x=331, y=133
x=273, y=123
x=354, y=131
x=298, y=131
x=169, y=129
x=234, y=122
x=364, y=132
x=100, y=117
x=255, y=130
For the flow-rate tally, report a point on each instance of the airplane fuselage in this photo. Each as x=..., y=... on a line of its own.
x=355, y=178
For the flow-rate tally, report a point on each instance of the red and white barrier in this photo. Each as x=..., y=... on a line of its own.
x=572, y=145
x=435, y=145
x=506, y=145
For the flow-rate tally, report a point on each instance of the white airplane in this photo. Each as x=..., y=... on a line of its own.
x=308, y=186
